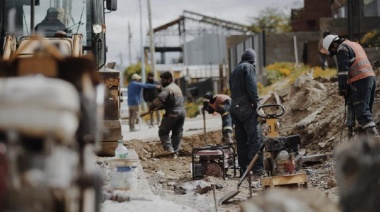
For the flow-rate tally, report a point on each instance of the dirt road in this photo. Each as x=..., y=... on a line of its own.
x=313, y=109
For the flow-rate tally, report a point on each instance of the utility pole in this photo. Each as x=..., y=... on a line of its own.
x=129, y=44
x=151, y=41
x=142, y=58
x=142, y=48
x=350, y=25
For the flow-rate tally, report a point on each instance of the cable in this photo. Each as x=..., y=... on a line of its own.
x=344, y=118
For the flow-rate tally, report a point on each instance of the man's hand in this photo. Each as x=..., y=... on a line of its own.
x=342, y=92
x=158, y=87
x=155, y=104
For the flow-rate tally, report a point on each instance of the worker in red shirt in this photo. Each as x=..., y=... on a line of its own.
x=221, y=104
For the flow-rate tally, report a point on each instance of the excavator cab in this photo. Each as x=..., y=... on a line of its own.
x=56, y=20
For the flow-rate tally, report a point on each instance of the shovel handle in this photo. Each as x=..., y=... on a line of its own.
x=204, y=127
x=253, y=161
x=144, y=114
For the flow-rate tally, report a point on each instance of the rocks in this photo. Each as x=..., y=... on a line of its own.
x=309, y=119
x=286, y=200
x=331, y=183
x=358, y=175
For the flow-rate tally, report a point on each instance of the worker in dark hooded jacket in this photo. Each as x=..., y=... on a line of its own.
x=356, y=80
x=245, y=99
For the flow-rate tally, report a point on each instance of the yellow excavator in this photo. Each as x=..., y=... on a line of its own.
x=76, y=28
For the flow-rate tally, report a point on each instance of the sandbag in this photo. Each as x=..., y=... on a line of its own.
x=38, y=106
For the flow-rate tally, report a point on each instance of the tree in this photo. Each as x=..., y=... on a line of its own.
x=135, y=69
x=270, y=20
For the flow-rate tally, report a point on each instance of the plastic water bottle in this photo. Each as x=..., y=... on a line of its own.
x=121, y=151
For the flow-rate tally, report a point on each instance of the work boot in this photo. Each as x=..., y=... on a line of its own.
x=227, y=139
x=351, y=133
x=372, y=131
x=169, y=149
x=258, y=174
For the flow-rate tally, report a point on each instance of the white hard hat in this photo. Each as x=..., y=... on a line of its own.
x=328, y=40
x=136, y=77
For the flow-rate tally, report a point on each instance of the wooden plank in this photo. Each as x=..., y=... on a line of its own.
x=278, y=100
x=284, y=180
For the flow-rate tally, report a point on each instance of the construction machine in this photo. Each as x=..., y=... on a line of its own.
x=53, y=103
x=81, y=31
x=281, y=152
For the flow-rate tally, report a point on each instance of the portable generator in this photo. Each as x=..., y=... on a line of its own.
x=213, y=161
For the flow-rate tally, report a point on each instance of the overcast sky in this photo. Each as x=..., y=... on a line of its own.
x=164, y=11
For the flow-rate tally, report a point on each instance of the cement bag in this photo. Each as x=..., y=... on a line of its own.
x=37, y=106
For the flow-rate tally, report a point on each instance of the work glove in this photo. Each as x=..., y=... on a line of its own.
x=210, y=110
x=261, y=113
x=155, y=104
x=342, y=92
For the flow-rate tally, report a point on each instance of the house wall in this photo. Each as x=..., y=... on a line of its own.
x=311, y=13
x=280, y=47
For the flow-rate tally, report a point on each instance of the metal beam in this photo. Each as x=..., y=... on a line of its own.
x=188, y=15
x=167, y=25
x=165, y=49
x=215, y=21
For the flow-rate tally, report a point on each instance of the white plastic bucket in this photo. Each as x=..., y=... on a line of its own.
x=123, y=174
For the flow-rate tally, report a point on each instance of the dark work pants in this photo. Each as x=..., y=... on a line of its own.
x=362, y=95
x=226, y=118
x=172, y=121
x=248, y=138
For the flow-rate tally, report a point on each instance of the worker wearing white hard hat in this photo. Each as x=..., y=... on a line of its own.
x=134, y=98
x=356, y=79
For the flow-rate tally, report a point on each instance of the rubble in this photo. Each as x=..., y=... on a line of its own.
x=290, y=200
x=358, y=175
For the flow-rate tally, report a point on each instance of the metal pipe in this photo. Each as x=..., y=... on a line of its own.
x=142, y=48
x=295, y=49
x=32, y=9
x=349, y=20
x=142, y=56
x=151, y=42
x=359, y=16
x=213, y=192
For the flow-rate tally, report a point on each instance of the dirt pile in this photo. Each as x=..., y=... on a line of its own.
x=316, y=112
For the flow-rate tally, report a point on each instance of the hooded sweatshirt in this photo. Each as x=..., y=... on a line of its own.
x=243, y=83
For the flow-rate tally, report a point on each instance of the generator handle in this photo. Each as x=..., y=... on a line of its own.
x=271, y=115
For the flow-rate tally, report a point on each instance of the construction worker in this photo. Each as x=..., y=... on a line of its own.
x=356, y=79
x=51, y=23
x=134, y=98
x=149, y=95
x=245, y=99
x=221, y=104
x=171, y=99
